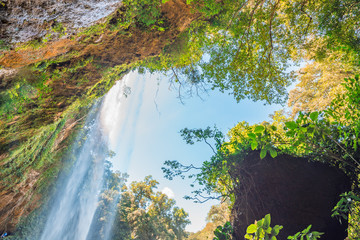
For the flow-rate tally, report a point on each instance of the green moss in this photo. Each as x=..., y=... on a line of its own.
x=32, y=44
x=32, y=153
x=3, y=46
x=110, y=76
x=12, y=100
x=180, y=53
x=90, y=32
x=43, y=65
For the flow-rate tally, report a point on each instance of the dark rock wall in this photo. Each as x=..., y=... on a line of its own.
x=295, y=192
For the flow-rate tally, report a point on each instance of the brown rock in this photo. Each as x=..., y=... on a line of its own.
x=18, y=201
x=107, y=49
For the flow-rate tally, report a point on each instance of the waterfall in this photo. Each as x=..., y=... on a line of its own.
x=77, y=192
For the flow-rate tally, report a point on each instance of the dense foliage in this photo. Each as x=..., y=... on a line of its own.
x=261, y=230
x=137, y=211
x=217, y=216
x=330, y=136
x=248, y=46
x=243, y=47
x=145, y=13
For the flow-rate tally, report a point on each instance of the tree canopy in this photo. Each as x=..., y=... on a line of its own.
x=248, y=46
x=138, y=211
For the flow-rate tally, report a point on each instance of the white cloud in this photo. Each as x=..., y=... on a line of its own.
x=168, y=192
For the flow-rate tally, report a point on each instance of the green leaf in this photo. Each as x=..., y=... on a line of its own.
x=259, y=129
x=275, y=231
x=267, y=221
x=251, y=229
x=273, y=153
x=314, y=116
x=252, y=136
x=263, y=153
x=247, y=236
x=254, y=145
x=291, y=125
x=307, y=229
x=316, y=234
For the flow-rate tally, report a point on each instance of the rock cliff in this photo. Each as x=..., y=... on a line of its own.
x=56, y=57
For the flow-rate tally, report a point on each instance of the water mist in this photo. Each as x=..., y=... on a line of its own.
x=75, y=203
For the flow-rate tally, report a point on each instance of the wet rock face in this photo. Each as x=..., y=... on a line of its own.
x=108, y=49
x=17, y=202
x=20, y=200
x=295, y=192
x=24, y=20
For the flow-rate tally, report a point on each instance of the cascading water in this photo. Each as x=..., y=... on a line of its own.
x=77, y=194
x=76, y=199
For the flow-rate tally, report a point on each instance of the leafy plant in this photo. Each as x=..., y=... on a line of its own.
x=306, y=235
x=261, y=230
x=223, y=232
x=143, y=12
x=344, y=206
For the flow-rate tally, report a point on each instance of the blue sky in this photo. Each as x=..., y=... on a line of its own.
x=145, y=132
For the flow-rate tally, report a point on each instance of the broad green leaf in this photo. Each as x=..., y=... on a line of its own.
x=273, y=153
x=263, y=153
x=267, y=221
x=251, y=229
x=259, y=129
x=291, y=125
x=254, y=145
x=252, y=135
x=314, y=116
